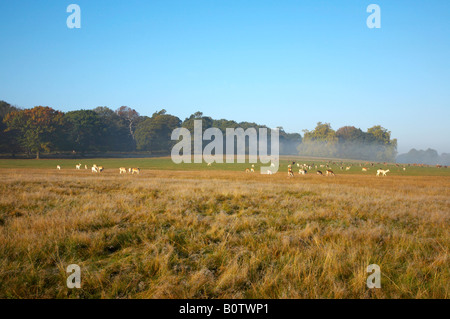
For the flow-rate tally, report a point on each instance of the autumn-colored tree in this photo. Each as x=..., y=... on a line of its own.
x=381, y=135
x=36, y=127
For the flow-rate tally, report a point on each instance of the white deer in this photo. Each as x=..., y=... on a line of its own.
x=78, y=166
x=382, y=172
x=122, y=170
x=58, y=167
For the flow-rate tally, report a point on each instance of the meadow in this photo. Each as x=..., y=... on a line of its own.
x=165, y=163
x=193, y=231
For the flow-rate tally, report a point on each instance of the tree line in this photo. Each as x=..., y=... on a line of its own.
x=428, y=157
x=43, y=129
x=349, y=142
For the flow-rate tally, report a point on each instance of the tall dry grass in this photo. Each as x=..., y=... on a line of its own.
x=222, y=235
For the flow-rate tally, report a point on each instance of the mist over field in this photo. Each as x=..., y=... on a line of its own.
x=429, y=157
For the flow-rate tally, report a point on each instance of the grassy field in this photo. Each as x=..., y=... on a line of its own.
x=165, y=163
x=216, y=232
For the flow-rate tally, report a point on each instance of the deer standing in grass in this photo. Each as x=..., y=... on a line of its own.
x=382, y=172
x=329, y=172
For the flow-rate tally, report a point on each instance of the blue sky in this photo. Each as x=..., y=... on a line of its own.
x=281, y=63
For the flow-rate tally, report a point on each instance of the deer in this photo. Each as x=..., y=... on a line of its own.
x=135, y=170
x=382, y=172
x=78, y=166
x=329, y=172
x=122, y=170
x=290, y=173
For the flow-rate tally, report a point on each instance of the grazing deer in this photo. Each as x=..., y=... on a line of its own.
x=365, y=169
x=78, y=166
x=122, y=170
x=58, y=167
x=329, y=172
x=247, y=170
x=290, y=173
x=302, y=172
x=319, y=173
x=382, y=172
x=347, y=168
x=94, y=169
x=135, y=170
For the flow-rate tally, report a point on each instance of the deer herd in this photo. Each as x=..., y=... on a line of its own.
x=328, y=172
x=98, y=169
x=303, y=169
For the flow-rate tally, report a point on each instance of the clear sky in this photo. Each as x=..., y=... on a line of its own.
x=280, y=63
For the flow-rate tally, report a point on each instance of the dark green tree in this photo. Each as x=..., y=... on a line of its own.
x=154, y=133
x=85, y=131
x=115, y=130
x=8, y=139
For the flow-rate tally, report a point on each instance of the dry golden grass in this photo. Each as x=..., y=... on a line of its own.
x=172, y=234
